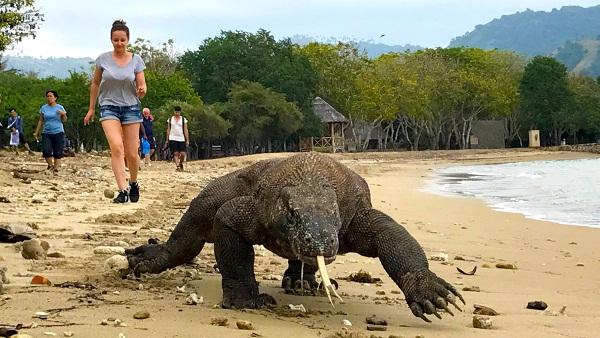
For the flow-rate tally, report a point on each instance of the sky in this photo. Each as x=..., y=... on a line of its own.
x=82, y=28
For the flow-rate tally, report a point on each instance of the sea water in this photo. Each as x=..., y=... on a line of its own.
x=561, y=191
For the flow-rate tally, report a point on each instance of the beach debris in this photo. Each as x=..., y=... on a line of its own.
x=482, y=322
x=109, y=250
x=180, y=289
x=218, y=321
x=119, y=323
x=537, y=305
x=3, y=278
x=472, y=288
x=376, y=328
x=553, y=313
x=550, y=240
x=109, y=193
x=7, y=332
x=362, y=276
x=117, y=265
x=580, y=264
x=33, y=249
x=244, y=325
x=40, y=280
x=470, y=273
x=346, y=322
x=299, y=307
x=41, y=315
x=508, y=266
x=144, y=314
x=48, y=333
x=573, y=243
x=484, y=310
x=68, y=333
x=374, y=320
x=485, y=266
x=440, y=257
x=15, y=232
x=194, y=300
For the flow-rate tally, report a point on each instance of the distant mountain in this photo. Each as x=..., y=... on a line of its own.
x=534, y=32
x=57, y=67
x=372, y=48
x=580, y=57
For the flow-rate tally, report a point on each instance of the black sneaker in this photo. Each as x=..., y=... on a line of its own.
x=123, y=197
x=134, y=192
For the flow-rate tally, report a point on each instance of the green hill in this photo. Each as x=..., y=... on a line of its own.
x=534, y=32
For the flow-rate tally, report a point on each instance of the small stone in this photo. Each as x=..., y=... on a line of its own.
x=485, y=266
x=537, y=305
x=109, y=193
x=244, y=325
x=374, y=320
x=68, y=333
x=376, y=328
x=117, y=265
x=580, y=264
x=107, y=250
x=32, y=249
x=218, y=321
x=346, y=322
x=481, y=322
x=508, y=266
x=141, y=314
x=471, y=288
x=55, y=255
x=194, y=300
x=484, y=310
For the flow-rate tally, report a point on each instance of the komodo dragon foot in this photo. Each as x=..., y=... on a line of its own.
x=148, y=258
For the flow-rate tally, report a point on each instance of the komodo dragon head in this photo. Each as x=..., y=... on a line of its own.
x=307, y=219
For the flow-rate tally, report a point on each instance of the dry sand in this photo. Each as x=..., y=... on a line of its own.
x=71, y=213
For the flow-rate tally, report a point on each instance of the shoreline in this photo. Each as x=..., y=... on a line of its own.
x=471, y=234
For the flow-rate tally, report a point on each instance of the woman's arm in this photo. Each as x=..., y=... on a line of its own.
x=93, y=96
x=39, y=125
x=140, y=79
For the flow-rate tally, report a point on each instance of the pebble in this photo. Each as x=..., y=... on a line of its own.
x=218, y=321
x=107, y=250
x=346, y=322
x=109, y=193
x=376, y=328
x=472, y=288
x=482, y=322
x=194, y=300
x=484, y=310
x=374, y=320
x=506, y=266
x=141, y=314
x=118, y=265
x=68, y=333
x=537, y=305
x=580, y=264
x=244, y=325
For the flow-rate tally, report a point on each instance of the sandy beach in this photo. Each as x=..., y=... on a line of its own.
x=557, y=264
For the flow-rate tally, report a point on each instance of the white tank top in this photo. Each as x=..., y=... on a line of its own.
x=176, y=133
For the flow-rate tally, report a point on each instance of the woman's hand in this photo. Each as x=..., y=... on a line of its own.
x=61, y=113
x=141, y=92
x=89, y=117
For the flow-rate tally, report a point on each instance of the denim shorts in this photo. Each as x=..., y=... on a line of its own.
x=126, y=115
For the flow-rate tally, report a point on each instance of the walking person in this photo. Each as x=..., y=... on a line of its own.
x=52, y=117
x=118, y=85
x=15, y=123
x=178, y=137
x=148, y=124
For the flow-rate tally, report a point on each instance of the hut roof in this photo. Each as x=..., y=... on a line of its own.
x=326, y=112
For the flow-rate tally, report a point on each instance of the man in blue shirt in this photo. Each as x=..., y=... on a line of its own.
x=15, y=123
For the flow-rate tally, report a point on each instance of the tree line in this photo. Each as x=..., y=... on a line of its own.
x=248, y=92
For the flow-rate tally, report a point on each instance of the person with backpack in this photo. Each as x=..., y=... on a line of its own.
x=178, y=137
x=15, y=124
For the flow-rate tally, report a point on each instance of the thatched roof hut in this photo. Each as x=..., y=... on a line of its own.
x=326, y=112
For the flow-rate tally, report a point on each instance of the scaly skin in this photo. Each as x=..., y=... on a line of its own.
x=298, y=207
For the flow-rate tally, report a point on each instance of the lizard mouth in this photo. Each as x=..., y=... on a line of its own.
x=312, y=260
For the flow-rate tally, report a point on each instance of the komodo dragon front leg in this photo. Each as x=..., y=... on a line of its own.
x=235, y=233
x=374, y=234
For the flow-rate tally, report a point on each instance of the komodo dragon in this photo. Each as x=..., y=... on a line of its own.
x=307, y=208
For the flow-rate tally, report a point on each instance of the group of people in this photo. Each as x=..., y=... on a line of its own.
x=117, y=85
